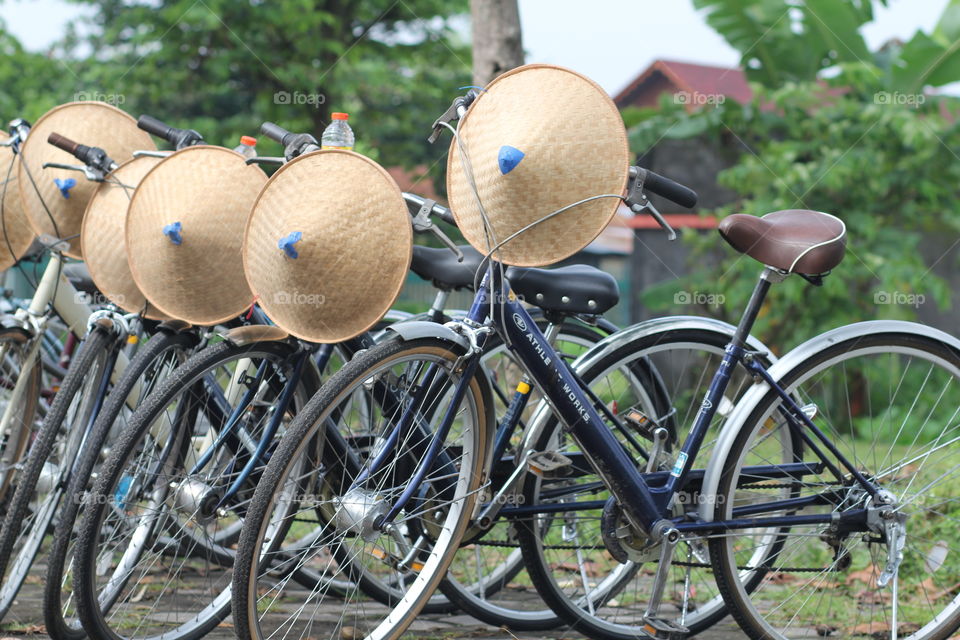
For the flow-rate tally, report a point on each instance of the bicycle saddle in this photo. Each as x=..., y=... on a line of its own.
x=578, y=288
x=80, y=278
x=440, y=266
x=793, y=240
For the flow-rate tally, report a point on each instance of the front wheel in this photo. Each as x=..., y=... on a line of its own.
x=402, y=386
x=890, y=403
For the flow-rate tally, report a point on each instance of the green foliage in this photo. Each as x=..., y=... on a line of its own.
x=888, y=170
x=225, y=66
x=783, y=40
x=29, y=80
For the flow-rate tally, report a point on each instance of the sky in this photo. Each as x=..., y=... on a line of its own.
x=611, y=41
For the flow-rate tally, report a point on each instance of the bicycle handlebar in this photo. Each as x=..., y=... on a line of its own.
x=294, y=144
x=669, y=189
x=415, y=203
x=179, y=138
x=94, y=157
x=64, y=143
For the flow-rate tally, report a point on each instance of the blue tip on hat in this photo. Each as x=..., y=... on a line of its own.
x=508, y=158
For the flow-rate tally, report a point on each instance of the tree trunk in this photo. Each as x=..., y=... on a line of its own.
x=497, y=41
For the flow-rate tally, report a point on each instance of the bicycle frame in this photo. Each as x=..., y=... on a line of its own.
x=647, y=498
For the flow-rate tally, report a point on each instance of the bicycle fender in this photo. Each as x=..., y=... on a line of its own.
x=795, y=357
x=254, y=333
x=416, y=329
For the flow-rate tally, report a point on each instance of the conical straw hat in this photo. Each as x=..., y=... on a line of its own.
x=104, y=239
x=200, y=197
x=95, y=124
x=539, y=138
x=345, y=220
x=16, y=234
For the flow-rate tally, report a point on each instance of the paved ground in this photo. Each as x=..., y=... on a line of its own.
x=26, y=620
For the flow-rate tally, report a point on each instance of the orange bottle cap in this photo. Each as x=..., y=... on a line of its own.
x=340, y=116
x=250, y=141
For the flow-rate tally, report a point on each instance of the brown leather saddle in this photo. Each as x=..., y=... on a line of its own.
x=793, y=240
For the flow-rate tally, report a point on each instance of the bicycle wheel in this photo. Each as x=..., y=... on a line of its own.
x=39, y=486
x=153, y=556
x=16, y=361
x=298, y=493
x=487, y=579
x=889, y=402
x=153, y=363
x=598, y=588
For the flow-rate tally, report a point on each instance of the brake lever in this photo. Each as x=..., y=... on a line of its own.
x=93, y=175
x=422, y=222
x=638, y=202
x=266, y=160
x=455, y=111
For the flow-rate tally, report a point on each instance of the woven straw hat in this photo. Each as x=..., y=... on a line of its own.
x=103, y=237
x=185, y=234
x=16, y=234
x=345, y=220
x=90, y=123
x=539, y=138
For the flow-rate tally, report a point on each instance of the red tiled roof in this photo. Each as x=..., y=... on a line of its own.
x=675, y=220
x=693, y=78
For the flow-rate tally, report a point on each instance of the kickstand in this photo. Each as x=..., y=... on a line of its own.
x=654, y=625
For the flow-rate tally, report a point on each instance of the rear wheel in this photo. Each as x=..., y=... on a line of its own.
x=891, y=404
x=661, y=379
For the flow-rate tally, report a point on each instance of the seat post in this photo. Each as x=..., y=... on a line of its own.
x=768, y=277
x=439, y=304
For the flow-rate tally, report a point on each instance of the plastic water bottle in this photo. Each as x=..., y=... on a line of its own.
x=338, y=134
x=247, y=147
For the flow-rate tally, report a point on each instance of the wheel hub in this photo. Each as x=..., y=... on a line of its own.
x=358, y=511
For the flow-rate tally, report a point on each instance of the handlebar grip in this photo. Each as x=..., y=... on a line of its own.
x=444, y=214
x=275, y=132
x=64, y=143
x=673, y=191
x=155, y=127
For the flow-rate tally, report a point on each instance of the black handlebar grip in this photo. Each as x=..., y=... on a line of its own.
x=673, y=191
x=276, y=132
x=444, y=214
x=155, y=127
x=61, y=142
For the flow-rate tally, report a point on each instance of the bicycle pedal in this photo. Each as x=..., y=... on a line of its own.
x=641, y=423
x=547, y=463
x=664, y=629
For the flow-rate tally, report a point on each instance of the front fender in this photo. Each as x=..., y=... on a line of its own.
x=778, y=371
x=416, y=329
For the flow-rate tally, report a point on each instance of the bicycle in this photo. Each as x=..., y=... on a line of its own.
x=640, y=498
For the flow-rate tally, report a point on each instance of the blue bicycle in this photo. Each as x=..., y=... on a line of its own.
x=825, y=509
